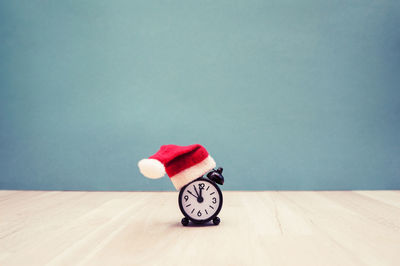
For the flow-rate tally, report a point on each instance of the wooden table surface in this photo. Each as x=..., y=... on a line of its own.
x=143, y=228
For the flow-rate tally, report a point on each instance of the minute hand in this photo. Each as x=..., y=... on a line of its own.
x=195, y=189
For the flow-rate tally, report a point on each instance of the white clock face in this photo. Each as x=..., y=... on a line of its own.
x=200, y=200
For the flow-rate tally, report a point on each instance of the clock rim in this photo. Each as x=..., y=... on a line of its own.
x=212, y=216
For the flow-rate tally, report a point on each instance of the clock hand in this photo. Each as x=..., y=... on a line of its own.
x=195, y=189
x=190, y=192
x=200, y=197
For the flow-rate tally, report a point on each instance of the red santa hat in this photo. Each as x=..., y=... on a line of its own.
x=183, y=164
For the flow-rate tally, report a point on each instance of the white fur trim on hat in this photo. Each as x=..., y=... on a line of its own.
x=188, y=175
x=151, y=168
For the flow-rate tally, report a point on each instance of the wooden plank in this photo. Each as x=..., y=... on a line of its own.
x=346, y=219
x=388, y=197
x=143, y=228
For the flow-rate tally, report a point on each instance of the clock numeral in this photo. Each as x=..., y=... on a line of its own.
x=201, y=185
x=186, y=197
x=199, y=213
x=214, y=200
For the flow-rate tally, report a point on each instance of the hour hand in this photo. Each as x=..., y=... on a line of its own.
x=200, y=197
x=200, y=189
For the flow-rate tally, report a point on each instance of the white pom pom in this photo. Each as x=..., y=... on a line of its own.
x=151, y=168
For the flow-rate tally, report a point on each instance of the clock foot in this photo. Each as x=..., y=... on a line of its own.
x=185, y=221
x=216, y=220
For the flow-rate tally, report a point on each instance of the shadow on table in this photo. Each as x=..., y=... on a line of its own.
x=178, y=224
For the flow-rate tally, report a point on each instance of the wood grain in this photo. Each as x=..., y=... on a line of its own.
x=143, y=228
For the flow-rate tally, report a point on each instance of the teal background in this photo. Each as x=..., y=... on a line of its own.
x=284, y=94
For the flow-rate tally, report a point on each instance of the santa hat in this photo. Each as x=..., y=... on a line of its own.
x=183, y=164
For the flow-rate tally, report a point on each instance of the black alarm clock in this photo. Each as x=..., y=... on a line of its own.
x=200, y=201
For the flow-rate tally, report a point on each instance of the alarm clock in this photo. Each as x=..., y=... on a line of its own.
x=200, y=201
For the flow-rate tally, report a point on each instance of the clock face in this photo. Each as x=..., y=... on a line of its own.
x=201, y=200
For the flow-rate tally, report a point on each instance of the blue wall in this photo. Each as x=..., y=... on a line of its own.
x=284, y=94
